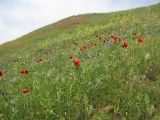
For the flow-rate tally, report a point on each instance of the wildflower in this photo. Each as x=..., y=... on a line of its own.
x=75, y=43
x=49, y=73
x=125, y=44
x=147, y=57
x=24, y=72
x=76, y=62
x=134, y=33
x=12, y=80
x=1, y=73
x=70, y=57
x=140, y=40
x=116, y=39
x=25, y=91
x=84, y=47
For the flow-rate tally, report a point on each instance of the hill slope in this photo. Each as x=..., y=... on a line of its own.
x=86, y=67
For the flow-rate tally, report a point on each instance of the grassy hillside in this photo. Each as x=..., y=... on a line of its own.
x=87, y=67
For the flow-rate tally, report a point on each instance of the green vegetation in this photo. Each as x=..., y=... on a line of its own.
x=112, y=82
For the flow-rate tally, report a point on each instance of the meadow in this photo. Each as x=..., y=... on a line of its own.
x=101, y=66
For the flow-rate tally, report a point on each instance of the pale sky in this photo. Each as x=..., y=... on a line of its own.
x=18, y=17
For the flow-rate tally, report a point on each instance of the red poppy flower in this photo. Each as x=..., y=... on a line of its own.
x=84, y=47
x=76, y=62
x=75, y=43
x=25, y=91
x=1, y=73
x=24, y=72
x=65, y=42
x=125, y=44
x=117, y=41
x=70, y=57
x=134, y=33
x=140, y=40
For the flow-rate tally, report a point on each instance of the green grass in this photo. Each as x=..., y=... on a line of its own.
x=111, y=83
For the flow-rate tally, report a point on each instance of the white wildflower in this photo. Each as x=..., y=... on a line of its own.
x=147, y=57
